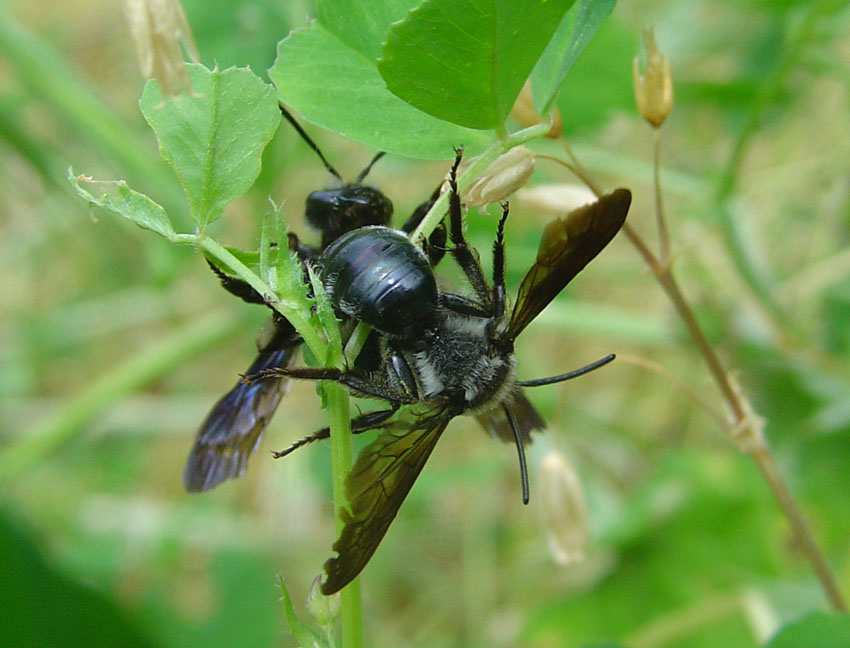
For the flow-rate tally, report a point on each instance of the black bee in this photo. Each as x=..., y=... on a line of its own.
x=231, y=431
x=441, y=353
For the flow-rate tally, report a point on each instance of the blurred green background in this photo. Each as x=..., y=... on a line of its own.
x=114, y=344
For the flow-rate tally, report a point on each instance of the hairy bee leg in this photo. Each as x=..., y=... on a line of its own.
x=236, y=286
x=419, y=213
x=499, y=265
x=359, y=424
x=241, y=288
x=359, y=384
x=435, y=245
x=460, y=250
x=463, y=305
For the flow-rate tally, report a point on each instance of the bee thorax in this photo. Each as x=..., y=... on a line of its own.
x=461, y=363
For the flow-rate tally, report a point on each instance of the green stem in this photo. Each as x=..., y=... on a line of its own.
x=296, y=316
x=351, y=609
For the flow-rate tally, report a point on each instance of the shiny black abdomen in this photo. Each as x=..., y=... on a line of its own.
x=377, y=275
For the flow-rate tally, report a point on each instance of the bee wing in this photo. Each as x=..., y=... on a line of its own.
x=232, y=429
x=377, y=485
x=566, y=246
x=527, y=420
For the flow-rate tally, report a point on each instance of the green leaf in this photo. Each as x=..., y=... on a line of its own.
x=117, y=197
x=42, y=607
x=600, y=82
x=213, y=137
x=466, y=61
x=336, y=87
x=816, y=630
x=573, y=34
x=362, y=26
x=304, y=634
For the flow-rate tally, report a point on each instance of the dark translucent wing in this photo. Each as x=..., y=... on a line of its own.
x=377, y=485
x=566, y=246
x=495, y=422
x=232, y=429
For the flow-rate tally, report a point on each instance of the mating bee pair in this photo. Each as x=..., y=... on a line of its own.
x=432, y=354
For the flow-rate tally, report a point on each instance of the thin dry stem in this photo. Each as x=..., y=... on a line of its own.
x=745, y=428
x=661, y=224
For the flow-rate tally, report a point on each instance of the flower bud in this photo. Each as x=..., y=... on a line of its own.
x=653, y=88
x=563, y=510
x=157, y=28
x=525, y=114
x=324, y=609
x=506, y=174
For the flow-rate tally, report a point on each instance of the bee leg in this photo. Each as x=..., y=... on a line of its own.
x=362, y=385
x=359, y=424
x=499, y=265
x=419, y=213
x=463, y=254
x=463, y=305
x=241, y=288
x=435, y=246
x=236, y=286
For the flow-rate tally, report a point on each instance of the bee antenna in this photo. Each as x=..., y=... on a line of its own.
x=537, y=382
x=310, y=141
x=365, y=171
x=520, y=450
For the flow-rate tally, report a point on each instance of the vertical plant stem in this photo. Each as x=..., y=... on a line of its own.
x=745, y=428
x=802, y=531
x=339, y=414
x=351, y=609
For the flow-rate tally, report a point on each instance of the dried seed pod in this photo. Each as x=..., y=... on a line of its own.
x=158, y=27
x=653, y=88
